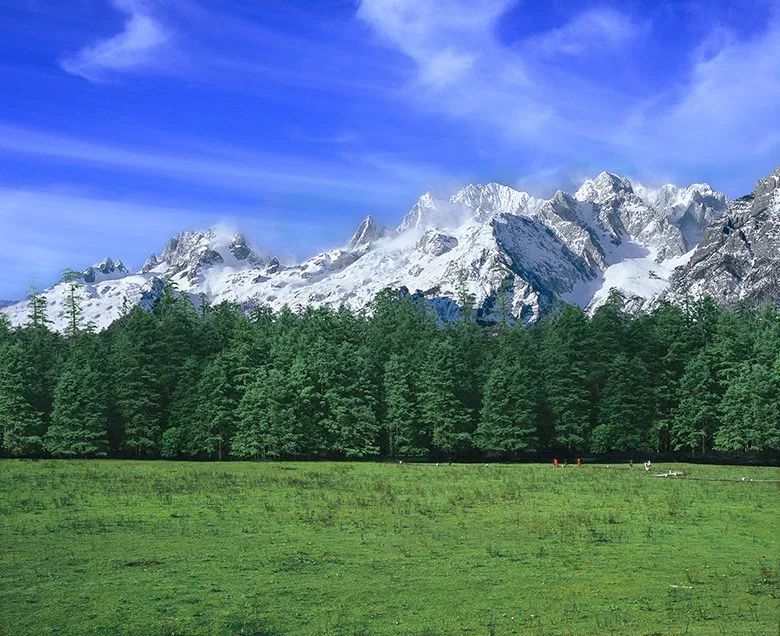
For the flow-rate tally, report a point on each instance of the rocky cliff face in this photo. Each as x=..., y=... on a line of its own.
x=505, y=248
x=738, y=257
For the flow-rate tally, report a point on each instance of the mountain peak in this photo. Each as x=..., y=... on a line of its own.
x=493, y=198
x=490, y=237
x=107, y=269
x=367, y=232
x=430, y=211
x=187, y=252
x=606, y=186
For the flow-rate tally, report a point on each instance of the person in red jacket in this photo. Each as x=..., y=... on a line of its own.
x=555, y=462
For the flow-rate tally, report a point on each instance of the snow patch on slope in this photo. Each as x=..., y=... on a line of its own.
x=485, y=240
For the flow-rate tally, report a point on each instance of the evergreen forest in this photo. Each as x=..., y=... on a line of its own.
x=392, y=383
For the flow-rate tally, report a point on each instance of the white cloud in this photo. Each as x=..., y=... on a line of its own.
x=43, y=231
x=445, y=38
x=727, y=110
x=529, y=94
x=593, y=30
x=232, y=168
x=136, y=46
x=461, y=68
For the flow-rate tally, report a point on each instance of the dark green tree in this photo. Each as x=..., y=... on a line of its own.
x=268, y=422
x=696, y=417
x=79, y=422
x=20, y=425
x=750, y=411
x=442, y=416
x=509, y=418
x=136, y=388
x=566, y=379
x=401, y=422
x=215, y=413
x=625, y=410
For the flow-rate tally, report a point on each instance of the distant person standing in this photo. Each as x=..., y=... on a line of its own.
x=579, y=462
x=648, y=466
x=631, y=464
x=555, y=462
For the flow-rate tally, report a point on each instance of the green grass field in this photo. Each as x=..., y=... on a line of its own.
x=122, y=547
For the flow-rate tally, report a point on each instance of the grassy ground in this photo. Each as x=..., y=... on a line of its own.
x=109, y=547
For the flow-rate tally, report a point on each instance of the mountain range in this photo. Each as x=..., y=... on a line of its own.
x=512, y=254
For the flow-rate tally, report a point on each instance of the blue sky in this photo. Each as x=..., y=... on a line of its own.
x=125, y=121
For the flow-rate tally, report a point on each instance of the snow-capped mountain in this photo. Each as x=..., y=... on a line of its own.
x=509, y=250
x=738, y=258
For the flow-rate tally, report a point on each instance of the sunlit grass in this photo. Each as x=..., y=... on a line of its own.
x=121, y=547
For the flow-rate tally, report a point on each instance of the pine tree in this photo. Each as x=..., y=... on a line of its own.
x=20, y=425
x=696, y=416
x=215, y=414
x=79, y=423
x=350, y=417
x=176, y=440
x=566, y=379
x=268, y=425
x=401, y=423
x=37, y=304
x=508, y=423
x=750, y=411
x=43, y=351
x=441, y=414
x=625, y=409
x=136, y=390
x=74, y=310
x=605, y=340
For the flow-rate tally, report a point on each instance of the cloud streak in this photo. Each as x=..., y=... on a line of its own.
x=134, y=47
x=725, y=111
x=231, y=168
x=592, y=30
x=730, y=102
x=89, y=228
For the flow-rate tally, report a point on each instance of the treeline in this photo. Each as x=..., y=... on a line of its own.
x=215, y=383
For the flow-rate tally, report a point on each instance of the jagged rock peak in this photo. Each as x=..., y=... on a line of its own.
x=606, y=186
x=191, y=249
x=104, y=270
x=420, y=213
x=769, y=183
x=737, y=257
x=495, y=198
x=436, y=243
x=367, y=232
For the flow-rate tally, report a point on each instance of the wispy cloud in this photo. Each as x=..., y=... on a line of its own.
x=350, y=175
x=729, y=103
x=461, y=68
x=43, y=231
x=134, y=47
x=596, y=29
x=445, y=39
x=525, y=91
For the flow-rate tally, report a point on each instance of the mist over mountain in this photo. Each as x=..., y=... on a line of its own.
x=513, y=255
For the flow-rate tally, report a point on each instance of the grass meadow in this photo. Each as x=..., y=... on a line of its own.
x=126, y=547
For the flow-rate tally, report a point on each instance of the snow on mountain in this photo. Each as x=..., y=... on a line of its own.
x=106, y=269
x=738, y=257
x=102, y=303
x=690, y=209
x=368, y=232
x=509, y=250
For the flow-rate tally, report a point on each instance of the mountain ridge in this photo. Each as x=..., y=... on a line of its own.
x=485, y=240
